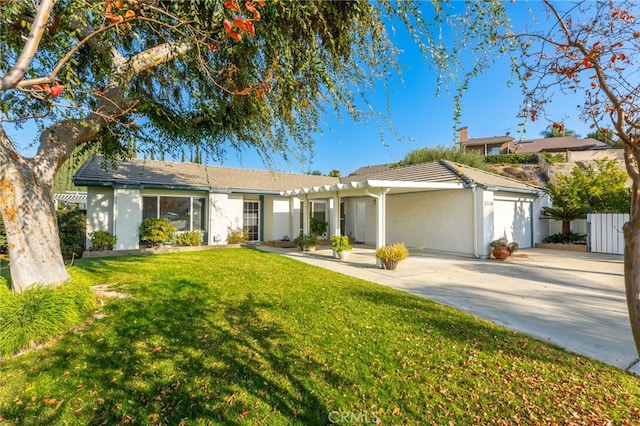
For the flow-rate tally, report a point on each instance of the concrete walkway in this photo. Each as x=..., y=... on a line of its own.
x=574, y=300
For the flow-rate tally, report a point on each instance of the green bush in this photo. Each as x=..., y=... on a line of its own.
x=41, y=313
x=550, y=157
x=190, y=238
x=237, y=236
x=560, y=238
x=3, y=238
x=318, y=227
x=511, y=159
x=156, y=231
x=397, y=251
x=102, y=240
x=72, y=225
x=425, y=155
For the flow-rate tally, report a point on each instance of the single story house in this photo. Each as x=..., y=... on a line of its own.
x=441, y=206
x=195, y=197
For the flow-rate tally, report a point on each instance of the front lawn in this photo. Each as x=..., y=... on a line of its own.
x=237, y=336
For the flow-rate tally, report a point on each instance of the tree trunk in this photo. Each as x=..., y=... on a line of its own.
x=632, y=275
x=28, y=211
x=566, y=228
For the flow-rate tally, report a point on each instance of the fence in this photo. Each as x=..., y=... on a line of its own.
x=605, y=233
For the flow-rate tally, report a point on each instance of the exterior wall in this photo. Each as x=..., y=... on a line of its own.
x=436, y=220
x=613, y=154
x=225, y=211
x=127, y=208
x=276, y=218
x=99, y=211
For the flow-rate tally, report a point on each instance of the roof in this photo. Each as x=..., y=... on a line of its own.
x=563, y=143
x=71, y=197
x=492, y=140
x=443, y=171
x=171, y=175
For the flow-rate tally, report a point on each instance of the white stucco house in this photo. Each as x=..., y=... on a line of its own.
x=441, y=206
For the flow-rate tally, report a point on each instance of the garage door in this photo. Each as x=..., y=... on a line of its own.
x=513, y=219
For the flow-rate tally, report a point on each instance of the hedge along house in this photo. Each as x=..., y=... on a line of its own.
x=194, y=197
x=441, y=206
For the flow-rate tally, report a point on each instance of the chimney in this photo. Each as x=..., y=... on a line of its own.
x=463, y=134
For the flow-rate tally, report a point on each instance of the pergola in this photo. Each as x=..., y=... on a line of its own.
x=378, y=189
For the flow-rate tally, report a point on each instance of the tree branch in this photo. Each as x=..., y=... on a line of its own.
x=11, y=79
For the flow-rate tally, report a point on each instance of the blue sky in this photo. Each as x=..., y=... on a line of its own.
x=420, y=118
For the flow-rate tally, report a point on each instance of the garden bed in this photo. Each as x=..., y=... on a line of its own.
x=560, y=246
x=157, y=250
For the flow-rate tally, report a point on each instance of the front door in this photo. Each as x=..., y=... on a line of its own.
x=361, y=218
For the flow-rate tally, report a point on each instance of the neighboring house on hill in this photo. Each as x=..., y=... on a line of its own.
x=487, y=146
x=193, y=196
x=441, y=205
x=559, y=144
x=507, y=144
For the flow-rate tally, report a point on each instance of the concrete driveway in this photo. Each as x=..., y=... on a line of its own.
x=574, y=300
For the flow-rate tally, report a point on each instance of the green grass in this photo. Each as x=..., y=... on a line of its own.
x=242, y=337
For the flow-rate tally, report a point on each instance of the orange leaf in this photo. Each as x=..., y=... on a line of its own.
x=236, y=36
x=253, y=10
x=56, y=90
x=250, y=28
x=227, y=26
x=116, y=19
x=232, y=5
x=587, y=64
x=260, y=94
x=622, y=56
x=245, y=91
x=240, y=23
x=37, y=87
x=129, y=14
x=260, y=3
x=118, y=4
x=266, y=87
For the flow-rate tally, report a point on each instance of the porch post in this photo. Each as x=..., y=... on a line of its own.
x=336, y=214
x=381, y=217
x=305, y=215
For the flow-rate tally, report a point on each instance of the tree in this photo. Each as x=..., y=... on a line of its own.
x=335, y=173
x=565, y=214
x=556, y=130
x=590, y=48
x=167, y=75
x=603, y=135
x=600, y=187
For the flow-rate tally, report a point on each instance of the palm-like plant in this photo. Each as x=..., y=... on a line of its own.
x=565, y=214
x=556, y=130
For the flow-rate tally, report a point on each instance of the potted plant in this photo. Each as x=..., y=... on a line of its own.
x=501, y=248
x=307, y=242
x=340, y=246
x=391, y=255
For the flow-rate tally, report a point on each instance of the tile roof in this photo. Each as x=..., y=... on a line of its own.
x=564, y=143
x=163, y=174
x=488, y=141
x=442, y=171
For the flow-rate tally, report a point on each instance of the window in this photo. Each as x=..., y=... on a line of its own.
x=185, y=213
x=494, y=150
x=251, y=220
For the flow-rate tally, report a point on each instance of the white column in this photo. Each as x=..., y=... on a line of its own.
x=305, y=215
x=381, y=215
x=336, y=214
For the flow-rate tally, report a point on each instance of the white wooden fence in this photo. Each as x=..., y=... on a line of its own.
x=604, y=232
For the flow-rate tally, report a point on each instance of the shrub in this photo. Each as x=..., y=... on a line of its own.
x=511, y=159
x=190, y=238
x=102, y=240
x=425, y=155
x=550, y=157
x=156, y=231
x=41, y=313
x=561, y=238
x=237, y=236
x=72, y=225
x=306, y=241
x=397, y=251
x=318, y=227
x=340, y=243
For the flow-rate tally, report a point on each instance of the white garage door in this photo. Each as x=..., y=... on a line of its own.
x=513, y=219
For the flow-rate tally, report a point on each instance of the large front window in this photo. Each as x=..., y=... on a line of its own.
x=185, y=213
x=251, y=220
